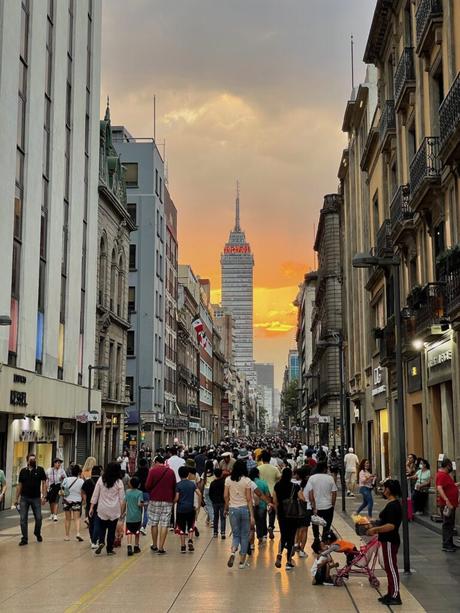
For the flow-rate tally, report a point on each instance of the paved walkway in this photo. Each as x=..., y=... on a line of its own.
x=59, y=576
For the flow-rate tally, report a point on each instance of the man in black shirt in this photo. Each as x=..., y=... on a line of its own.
x=31, y=492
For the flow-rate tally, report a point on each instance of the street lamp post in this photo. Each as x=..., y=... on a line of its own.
x=90, y=411
x=139, y=391
x=393, y=263
x=338, y=342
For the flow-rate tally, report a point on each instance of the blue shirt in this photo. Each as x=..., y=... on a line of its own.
x=186, y=490
x=133, y=510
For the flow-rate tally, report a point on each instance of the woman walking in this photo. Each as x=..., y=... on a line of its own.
x=88, y=466
x=109, y=496
x=283, y=492
x=207, y=478
x=238, y=505
x=421, y=487
x=366, y=483
x=72, y=499
x=388, y=533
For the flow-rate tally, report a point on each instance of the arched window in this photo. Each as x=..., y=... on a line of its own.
x=113, y=281
x=121, y=286
x=102, y=270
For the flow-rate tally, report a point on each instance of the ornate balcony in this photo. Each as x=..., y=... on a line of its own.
x=449, y=120
x=387, y=127
x=429, y=311
x=428, y=19
x=425, y=171
x=384, y=244
x=401, y=213
x=387, y=344
x=404, y=78
x=449, y=267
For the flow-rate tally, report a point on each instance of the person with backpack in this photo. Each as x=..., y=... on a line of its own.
x=71, y=491
x=284, y=492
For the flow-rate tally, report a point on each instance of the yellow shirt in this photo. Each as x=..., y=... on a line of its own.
x=270, y=474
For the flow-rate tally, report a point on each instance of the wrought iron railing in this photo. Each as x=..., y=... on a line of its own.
x=427, y=9
x=404, y=72
x=449, y=112
x=430, y=309
x=387, y=119
x=400, y=209
x=384, y=244
x=426, y=164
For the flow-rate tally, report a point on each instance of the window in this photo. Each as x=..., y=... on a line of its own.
x=156, y=181
x=132, y=212
x=132, y=257
x=129, y=388
x=375, y=216
x=131, y=299
x=130, y=343
x=131, y=174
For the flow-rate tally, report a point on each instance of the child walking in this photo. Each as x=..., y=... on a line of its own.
x=134, y=508
x=186, y=490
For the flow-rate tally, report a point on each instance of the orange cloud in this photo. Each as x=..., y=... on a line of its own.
x=294, y=270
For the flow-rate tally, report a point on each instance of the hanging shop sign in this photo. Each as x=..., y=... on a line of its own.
x=414, y=374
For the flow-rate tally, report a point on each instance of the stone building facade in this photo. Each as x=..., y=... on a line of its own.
x=112, y=324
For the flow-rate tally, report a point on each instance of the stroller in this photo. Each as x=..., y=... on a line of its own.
x=363, y=563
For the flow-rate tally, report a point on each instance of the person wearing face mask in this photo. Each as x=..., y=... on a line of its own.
x=447, y=491
x=31, y=492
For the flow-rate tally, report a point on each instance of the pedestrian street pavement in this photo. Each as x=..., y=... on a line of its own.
x=58, y=576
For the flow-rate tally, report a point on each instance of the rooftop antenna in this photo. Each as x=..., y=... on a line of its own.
x=352, y=44
x=237, y=213
x=155, y=118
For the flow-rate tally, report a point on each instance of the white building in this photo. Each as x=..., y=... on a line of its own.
x=237, y=266
x=49, y=126
x=144, y=177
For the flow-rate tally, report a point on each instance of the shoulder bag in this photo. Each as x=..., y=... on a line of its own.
x=292, y=507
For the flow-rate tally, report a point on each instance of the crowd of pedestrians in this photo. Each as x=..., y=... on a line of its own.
x=248, y=484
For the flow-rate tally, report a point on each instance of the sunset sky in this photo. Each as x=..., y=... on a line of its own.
x=247, y=89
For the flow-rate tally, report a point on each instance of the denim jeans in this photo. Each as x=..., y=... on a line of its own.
x=368, y=500
x=25, y=504
x=109, y=526
x=208, y=505
x=240, y=522
x=260, y=515
x=218, y=513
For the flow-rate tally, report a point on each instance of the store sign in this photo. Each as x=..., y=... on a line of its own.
x=414, y=374
x=175, y=422
x=237, y=249
x=86, y=417
x=439, y=363
x=319, y=419
x=378, y=380
x=193, y=425
x=18, y=399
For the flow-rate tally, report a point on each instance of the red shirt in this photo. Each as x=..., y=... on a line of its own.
x=449, y=487
x=161, y=483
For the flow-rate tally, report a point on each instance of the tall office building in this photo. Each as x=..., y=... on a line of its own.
x=266, y=379
x=237, y=264
x=49, y=162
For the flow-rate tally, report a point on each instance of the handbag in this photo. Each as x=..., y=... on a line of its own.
x=292, y=507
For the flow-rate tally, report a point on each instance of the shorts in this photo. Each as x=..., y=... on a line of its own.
x=133, y=527
x=159, y=513
x=53, y=493
x=185, y=523
x=72, y=506
x=307, y=519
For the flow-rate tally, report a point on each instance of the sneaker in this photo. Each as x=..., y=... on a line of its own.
x=449, y=549
x=231, y=560
x=197, y=532
x=190, y=546
x=161, y=552
x=143, y=531
x=39, y=538
x=130, y=550
x=79, y=538
x=55, y=517
x=22, y=542
x=154, y=548
x=289, y=566
x=278, y=561
x=328, y=583
x=244, y=565
x=302, y=554
x=67, y=538
x=271, y=536
x=137, y=549
x=111, y=553
x=389, y=601
x=215, y=536
x=94, y=545
x=51, y=517
x=99, y=549
x=223, y=537
x=183, y=549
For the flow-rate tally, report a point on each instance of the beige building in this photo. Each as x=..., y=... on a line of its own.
x=113, y=304
x=401, y=194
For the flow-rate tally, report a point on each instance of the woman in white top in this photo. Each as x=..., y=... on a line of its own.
x=109, y=496
x=72, y=500
x=238, y=505
x=207, y=478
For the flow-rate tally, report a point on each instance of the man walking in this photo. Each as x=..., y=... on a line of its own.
x=271, y=475
x=351, y=468
x=31, y=492
x=447, y=491
x=323, y=494
x=161, y=485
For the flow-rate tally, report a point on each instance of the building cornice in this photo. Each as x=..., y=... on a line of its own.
x=380, y=29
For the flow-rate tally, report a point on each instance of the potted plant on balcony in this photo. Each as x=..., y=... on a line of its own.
x=415, y=296
x=448, y=261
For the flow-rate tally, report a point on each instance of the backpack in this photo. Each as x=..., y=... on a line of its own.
x=65, y=490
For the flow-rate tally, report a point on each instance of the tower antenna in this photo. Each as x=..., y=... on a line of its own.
x=155, y=118
x=352, y=44
x=237, y=212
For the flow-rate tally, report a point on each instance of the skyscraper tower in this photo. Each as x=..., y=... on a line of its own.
x=237, y=264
